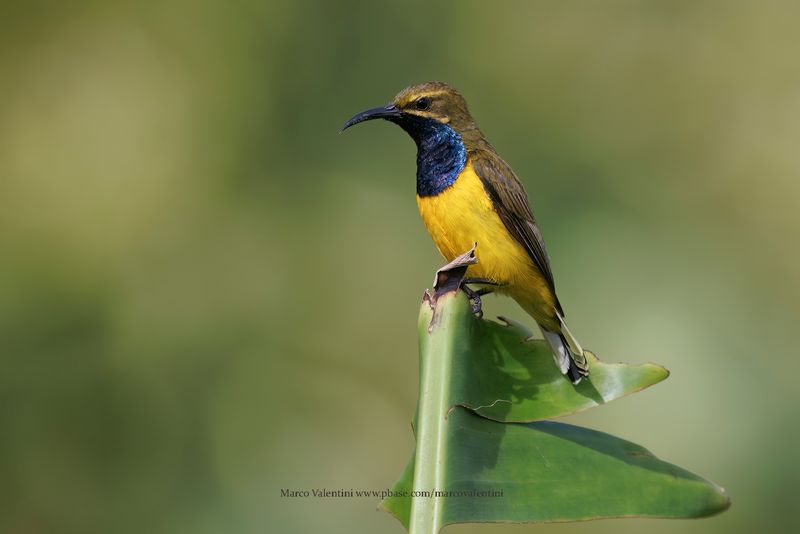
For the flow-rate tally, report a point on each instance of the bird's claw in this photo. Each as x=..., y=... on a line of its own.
x=477, y=307
x=474, y=299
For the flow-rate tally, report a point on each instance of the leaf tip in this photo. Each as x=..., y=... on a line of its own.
x=721, y=501
x=661, y=373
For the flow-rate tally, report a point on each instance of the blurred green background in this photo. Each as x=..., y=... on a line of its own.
x=207, y=294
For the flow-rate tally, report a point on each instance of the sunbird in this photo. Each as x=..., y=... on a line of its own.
x=467, y=194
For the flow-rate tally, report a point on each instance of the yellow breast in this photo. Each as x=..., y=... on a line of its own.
x=462, y=215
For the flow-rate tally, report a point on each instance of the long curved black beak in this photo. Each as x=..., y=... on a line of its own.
x=388, y=112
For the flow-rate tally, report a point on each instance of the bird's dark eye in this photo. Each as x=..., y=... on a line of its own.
x=422, y=103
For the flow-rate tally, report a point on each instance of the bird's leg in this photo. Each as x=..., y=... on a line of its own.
x=485, y=281
x=475, y=295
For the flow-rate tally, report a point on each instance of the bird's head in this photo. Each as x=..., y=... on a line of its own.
x=422, y=109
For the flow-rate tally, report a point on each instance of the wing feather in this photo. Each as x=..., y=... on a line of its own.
x=511, y=203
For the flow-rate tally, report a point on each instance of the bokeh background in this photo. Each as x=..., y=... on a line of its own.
x=207, y=294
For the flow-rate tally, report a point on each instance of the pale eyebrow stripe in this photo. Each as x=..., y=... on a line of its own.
x=434, y=93
x=429, y=94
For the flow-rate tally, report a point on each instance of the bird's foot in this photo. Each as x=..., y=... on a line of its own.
x=476, y=294
x=474, y=299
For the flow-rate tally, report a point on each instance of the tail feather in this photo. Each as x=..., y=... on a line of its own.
x=575, y=373
x=567, y=352
x=572, y=343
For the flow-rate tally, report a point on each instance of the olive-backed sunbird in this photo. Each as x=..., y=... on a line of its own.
x=467, y=194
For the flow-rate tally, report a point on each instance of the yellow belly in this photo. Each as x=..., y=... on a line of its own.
x=463, y=215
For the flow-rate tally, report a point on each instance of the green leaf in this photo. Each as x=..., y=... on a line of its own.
x=500, y=374
x=467, y=467
x=470, y=468
x=548, y=471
